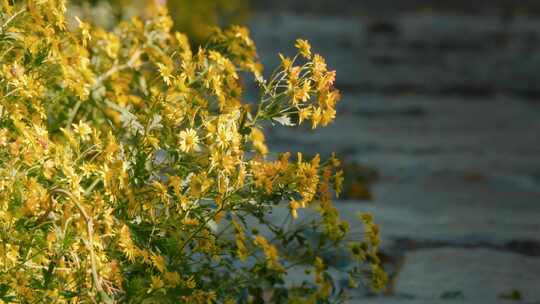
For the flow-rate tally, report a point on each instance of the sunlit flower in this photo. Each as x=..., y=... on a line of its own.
x=83, y=130
x=188, y=140
x=303, y=47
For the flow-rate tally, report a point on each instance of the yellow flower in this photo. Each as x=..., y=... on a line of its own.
x=183, y=43
x=304, y=113
x=302, y=93
x=257, y=137
x=303, y=47
x=156, y=283
x=327, y=116
x=319, y=264
x=165, y=73
x=294, y=74
x=172, y=278
x=270, y=252
x=126, y=244
x=48, y=169
x=286, y=62
x=191, y=283
x=175, y=182
x=3, y=137
x=366, y=217
x=319, y=66
x=85, y=31
x=188, y=140
x=316, y=118
x=199, y=184
x=294, y=205
x=159, y=262
x=83, y=130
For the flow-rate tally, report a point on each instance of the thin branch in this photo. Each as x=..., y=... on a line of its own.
x=117, y=68
x=91, y=187
x=89, y=242
x=199, y=229
x=73, y=113
x=11, y=19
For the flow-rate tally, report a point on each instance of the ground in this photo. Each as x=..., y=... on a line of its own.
x=446, y=108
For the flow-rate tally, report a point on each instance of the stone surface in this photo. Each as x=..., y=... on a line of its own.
x=452, y=124
x=414, y=52
x=392, y=7
x=406, y=300
x=422, y=133
x=479, y=274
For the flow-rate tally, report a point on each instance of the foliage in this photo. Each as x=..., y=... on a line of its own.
x=132, y=170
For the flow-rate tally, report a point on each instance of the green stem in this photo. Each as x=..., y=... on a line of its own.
x=73, y=113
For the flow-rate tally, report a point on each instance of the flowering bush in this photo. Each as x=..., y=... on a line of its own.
x=194, y=18
x=132, y=170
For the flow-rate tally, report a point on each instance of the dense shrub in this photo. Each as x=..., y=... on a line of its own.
x=194, y=18
x=132, y=170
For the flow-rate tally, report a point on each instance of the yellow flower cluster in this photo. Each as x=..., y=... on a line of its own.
x=306, y=91
x=270, y=253
x=203, y=14
x=126, y=158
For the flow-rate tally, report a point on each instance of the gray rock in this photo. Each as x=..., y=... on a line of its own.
x=418, y=52
x=479, y=274
x=457, y=151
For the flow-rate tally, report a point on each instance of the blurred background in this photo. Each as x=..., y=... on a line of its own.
x=439, y=130
x=439, y=127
